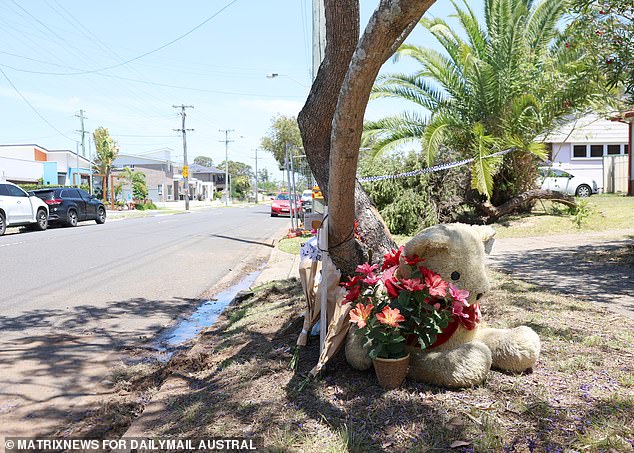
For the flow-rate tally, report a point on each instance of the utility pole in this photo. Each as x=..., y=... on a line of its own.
x=83, y=143
x=256, y=176
x=185, y=165
x=226, y=141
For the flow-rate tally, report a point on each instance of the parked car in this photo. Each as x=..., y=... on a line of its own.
x=18, y=208
x=282, y=205
x=307, y=200
x=70, y=206
x=561, y=181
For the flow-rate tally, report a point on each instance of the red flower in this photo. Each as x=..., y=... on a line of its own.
x=352, y=294
x=371, y=279
x=567, y=45
x=390, y=317
x=366, y=269
x=360, y=314
x=471, y=316
x=391, y=282
x=437, y=286
x=392, y=258
x=352, y=281
x=414, y=260
x=413, y=284
x=459, y=295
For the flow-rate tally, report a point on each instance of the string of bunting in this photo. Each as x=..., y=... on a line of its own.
x=433, y=169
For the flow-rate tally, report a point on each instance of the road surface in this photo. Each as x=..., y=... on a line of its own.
x=71, y=299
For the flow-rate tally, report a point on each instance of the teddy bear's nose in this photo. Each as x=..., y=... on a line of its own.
x=479, y=296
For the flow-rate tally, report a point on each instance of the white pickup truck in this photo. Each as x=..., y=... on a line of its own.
x=17, y=208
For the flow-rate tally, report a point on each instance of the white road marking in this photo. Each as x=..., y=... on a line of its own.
x=11, y=243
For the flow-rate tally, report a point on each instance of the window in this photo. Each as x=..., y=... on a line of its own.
x=3, y=190
x=614, y=149
x=160, y=189
x=15, y=191
x=596, y=150
x=579, y=151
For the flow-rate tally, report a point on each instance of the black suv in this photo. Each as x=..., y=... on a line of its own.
x=69, y=206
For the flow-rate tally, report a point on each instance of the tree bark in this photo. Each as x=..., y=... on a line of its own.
x=388, y=27
x=492, y=213
x=315, y=118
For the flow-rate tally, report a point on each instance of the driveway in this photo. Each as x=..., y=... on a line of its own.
x=579, y=264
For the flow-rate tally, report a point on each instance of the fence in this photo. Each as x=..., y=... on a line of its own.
x=615, y=174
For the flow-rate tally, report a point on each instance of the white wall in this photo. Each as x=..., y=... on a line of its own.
x=590, y=168
x=20, y=169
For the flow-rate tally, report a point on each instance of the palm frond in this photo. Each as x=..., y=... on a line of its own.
x=484, y=166
x=391, y=132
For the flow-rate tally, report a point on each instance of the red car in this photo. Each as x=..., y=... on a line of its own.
x=281, y=205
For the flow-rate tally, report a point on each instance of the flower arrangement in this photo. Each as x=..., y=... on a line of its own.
x=392, y=312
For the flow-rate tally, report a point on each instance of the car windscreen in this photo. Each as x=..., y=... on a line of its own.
x=45, y=194
x=282, y=196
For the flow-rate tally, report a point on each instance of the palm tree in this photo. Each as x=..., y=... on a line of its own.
x=107, y=151
x=499, y=87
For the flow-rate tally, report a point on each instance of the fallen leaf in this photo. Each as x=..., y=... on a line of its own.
x=459, y=443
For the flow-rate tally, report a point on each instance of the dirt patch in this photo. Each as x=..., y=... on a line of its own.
x=238, y=382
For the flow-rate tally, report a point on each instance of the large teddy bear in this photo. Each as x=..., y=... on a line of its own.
x=463, y=357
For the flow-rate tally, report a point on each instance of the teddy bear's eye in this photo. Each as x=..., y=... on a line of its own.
x=455, y=275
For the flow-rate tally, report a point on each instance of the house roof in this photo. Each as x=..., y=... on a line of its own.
x=589, y=129
x=195, y=168
x=623, y=116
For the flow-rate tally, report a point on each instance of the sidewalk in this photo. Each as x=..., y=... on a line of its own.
x=579, y=265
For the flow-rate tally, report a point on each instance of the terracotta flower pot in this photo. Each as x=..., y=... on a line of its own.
x=391, y=372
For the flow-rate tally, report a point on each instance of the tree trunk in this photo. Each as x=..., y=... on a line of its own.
x=388, y=27
x=331, y=121
x=492, y=213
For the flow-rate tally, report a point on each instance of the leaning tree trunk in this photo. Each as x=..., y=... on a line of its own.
x=336, y=106
x=492, y=213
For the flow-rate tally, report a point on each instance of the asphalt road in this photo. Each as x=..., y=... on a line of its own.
x=72, y=299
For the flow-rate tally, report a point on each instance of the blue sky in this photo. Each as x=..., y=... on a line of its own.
x=54, y=51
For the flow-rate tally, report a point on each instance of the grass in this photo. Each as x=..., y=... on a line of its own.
x=606, y=212
x=579, y=397
x=292, y=245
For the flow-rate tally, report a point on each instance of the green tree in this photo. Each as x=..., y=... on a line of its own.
x=106, y=150
x=136, y=179
x=241, y=176
x=205, y=161
x=283, y=131
x=498, y=85
x=604, y=30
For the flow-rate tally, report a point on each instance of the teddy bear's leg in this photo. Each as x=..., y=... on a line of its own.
x=512, y=349
x=356, y=355
x=465, y=365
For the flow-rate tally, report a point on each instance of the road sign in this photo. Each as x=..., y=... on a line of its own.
x=185, y=171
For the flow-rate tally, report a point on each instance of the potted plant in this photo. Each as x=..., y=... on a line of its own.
x=395, y=314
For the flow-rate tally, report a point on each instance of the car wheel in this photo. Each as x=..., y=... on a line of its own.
x=584, y=191
x=101, y=216
x=71, y=220
x=3, y=224
x=41, y=220
x=273, y=215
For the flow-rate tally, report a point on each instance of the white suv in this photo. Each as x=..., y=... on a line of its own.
x=17, y=208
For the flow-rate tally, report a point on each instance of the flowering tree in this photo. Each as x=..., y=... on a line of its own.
x=606, y=29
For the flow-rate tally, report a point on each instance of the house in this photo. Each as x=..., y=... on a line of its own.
x=582, y=145
x=31, y=163
x=212, y=178
x=627, y=118
x=159, y=172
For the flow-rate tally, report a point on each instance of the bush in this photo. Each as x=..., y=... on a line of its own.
x=147, y=205
x=410, y=204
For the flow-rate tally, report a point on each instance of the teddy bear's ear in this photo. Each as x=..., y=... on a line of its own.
x=430, y=239
x=486, y=234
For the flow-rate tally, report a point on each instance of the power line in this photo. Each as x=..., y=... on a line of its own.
x=33, y=108
x=145, y=54
x=185, y=166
